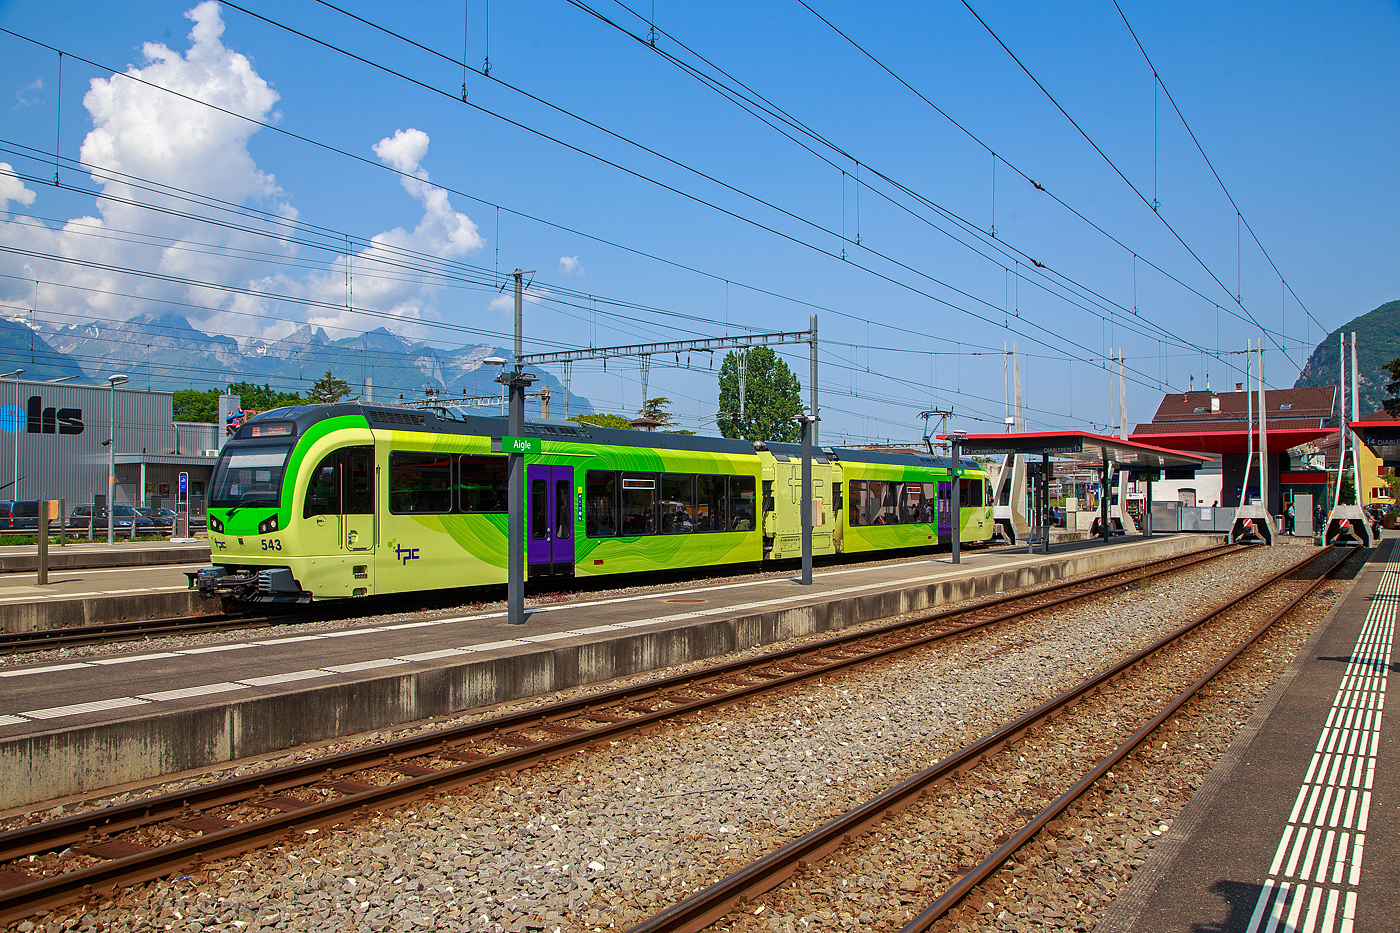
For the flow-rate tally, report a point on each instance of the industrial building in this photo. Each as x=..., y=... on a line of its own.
x=52, y=446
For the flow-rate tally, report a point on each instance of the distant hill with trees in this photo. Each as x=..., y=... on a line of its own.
x=1377, y=343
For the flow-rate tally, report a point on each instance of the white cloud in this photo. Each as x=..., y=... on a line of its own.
x=569, y=265
x=442, y=232
x=142, y=131
x=12, y=189
x=23, y=97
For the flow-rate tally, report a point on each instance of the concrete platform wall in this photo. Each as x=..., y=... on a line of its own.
x=83, y=758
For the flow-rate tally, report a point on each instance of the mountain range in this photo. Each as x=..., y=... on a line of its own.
x=164, y=351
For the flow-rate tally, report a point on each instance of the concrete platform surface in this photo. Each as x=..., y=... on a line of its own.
x=1298, y=828
x=100, y=595
x=104, y=720
x=84, y=554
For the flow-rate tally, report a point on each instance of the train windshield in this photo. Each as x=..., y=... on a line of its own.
x=249, y=476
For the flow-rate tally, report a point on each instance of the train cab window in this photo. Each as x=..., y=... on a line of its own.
x=539, y=509
x=600, y=504
x=638, y=504
x=988, y=487
x=563, y=509
x=741, y=503
x=709, y=503
x=323, y=489
x=482, y=484
x=677, y=504
x=420, y=483
x=357, y=481
x=970, y=493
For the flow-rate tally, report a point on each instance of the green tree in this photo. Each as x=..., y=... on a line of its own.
x=604, y=420
x=262, y=397
x=1348, y=495
x=328, y=389
x=772, y=398
x=196, y=405
x=1392, y=404
x=1393, y=482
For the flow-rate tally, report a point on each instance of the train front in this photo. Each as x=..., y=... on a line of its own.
x=249, y=497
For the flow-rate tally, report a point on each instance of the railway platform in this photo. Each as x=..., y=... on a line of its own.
x=97, y=595
x=81, y=554
x=1298, y=827
x=134, y=714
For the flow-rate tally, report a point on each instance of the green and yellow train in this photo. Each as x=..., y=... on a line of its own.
x=326, y=502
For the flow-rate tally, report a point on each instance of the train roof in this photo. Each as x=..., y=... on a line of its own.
x=794, y=452
x=443, y=420
x=853, y=455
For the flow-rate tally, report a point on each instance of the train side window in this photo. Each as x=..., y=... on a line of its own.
x=988, y=487
x=677, y=504
x=928, y=507
x=357, y=482
x=563, y=509
x=638, y=504
x=741, y=503
x=965, y=493
x=600, y=509
x=539, y=509
x=420, y=483
x=323, y=489
x=482, y=484
x=859, y=490
x=709, y=503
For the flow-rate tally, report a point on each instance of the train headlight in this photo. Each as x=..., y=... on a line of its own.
x=216, y=525
x=267, y=526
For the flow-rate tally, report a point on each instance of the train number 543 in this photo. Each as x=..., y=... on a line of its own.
x=272, y=544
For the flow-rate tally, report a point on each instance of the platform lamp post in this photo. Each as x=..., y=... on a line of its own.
x=14, y=492
x=809, y=425
x=954, y=500
x=516, y=381
x=112, y=383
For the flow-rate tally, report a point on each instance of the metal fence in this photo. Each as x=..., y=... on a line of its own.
x=1171, y=516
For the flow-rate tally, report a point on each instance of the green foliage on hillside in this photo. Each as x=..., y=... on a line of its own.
x=1377, y=343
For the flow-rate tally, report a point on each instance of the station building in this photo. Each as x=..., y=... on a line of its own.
x=51, y=444
x=1218, y=423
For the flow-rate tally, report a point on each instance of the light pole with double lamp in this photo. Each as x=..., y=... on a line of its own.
x=112, y=383
x=14, y=491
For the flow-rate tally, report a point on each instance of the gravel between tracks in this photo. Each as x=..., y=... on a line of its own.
x=607, y=838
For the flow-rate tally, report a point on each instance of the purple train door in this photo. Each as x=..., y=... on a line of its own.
x=550, y=529
x=945, y=509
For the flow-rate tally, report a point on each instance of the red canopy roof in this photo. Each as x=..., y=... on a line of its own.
x=1200, y=437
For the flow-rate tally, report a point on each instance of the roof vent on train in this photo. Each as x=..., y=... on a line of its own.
x=397, y=417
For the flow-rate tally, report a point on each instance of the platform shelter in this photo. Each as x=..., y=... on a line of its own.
x=1088, y=451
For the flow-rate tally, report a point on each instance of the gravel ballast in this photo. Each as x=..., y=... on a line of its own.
x=608, y=837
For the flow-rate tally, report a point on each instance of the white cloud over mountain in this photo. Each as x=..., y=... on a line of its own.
x=176, y=124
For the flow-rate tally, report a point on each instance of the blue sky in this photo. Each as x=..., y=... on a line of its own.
x=1294, y=104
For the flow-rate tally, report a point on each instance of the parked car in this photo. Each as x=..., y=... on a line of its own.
x=124, y=515
x=21, y=515
x=161, y=518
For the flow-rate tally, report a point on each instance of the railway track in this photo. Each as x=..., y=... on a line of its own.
x=844, y=832
x=94, y=853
